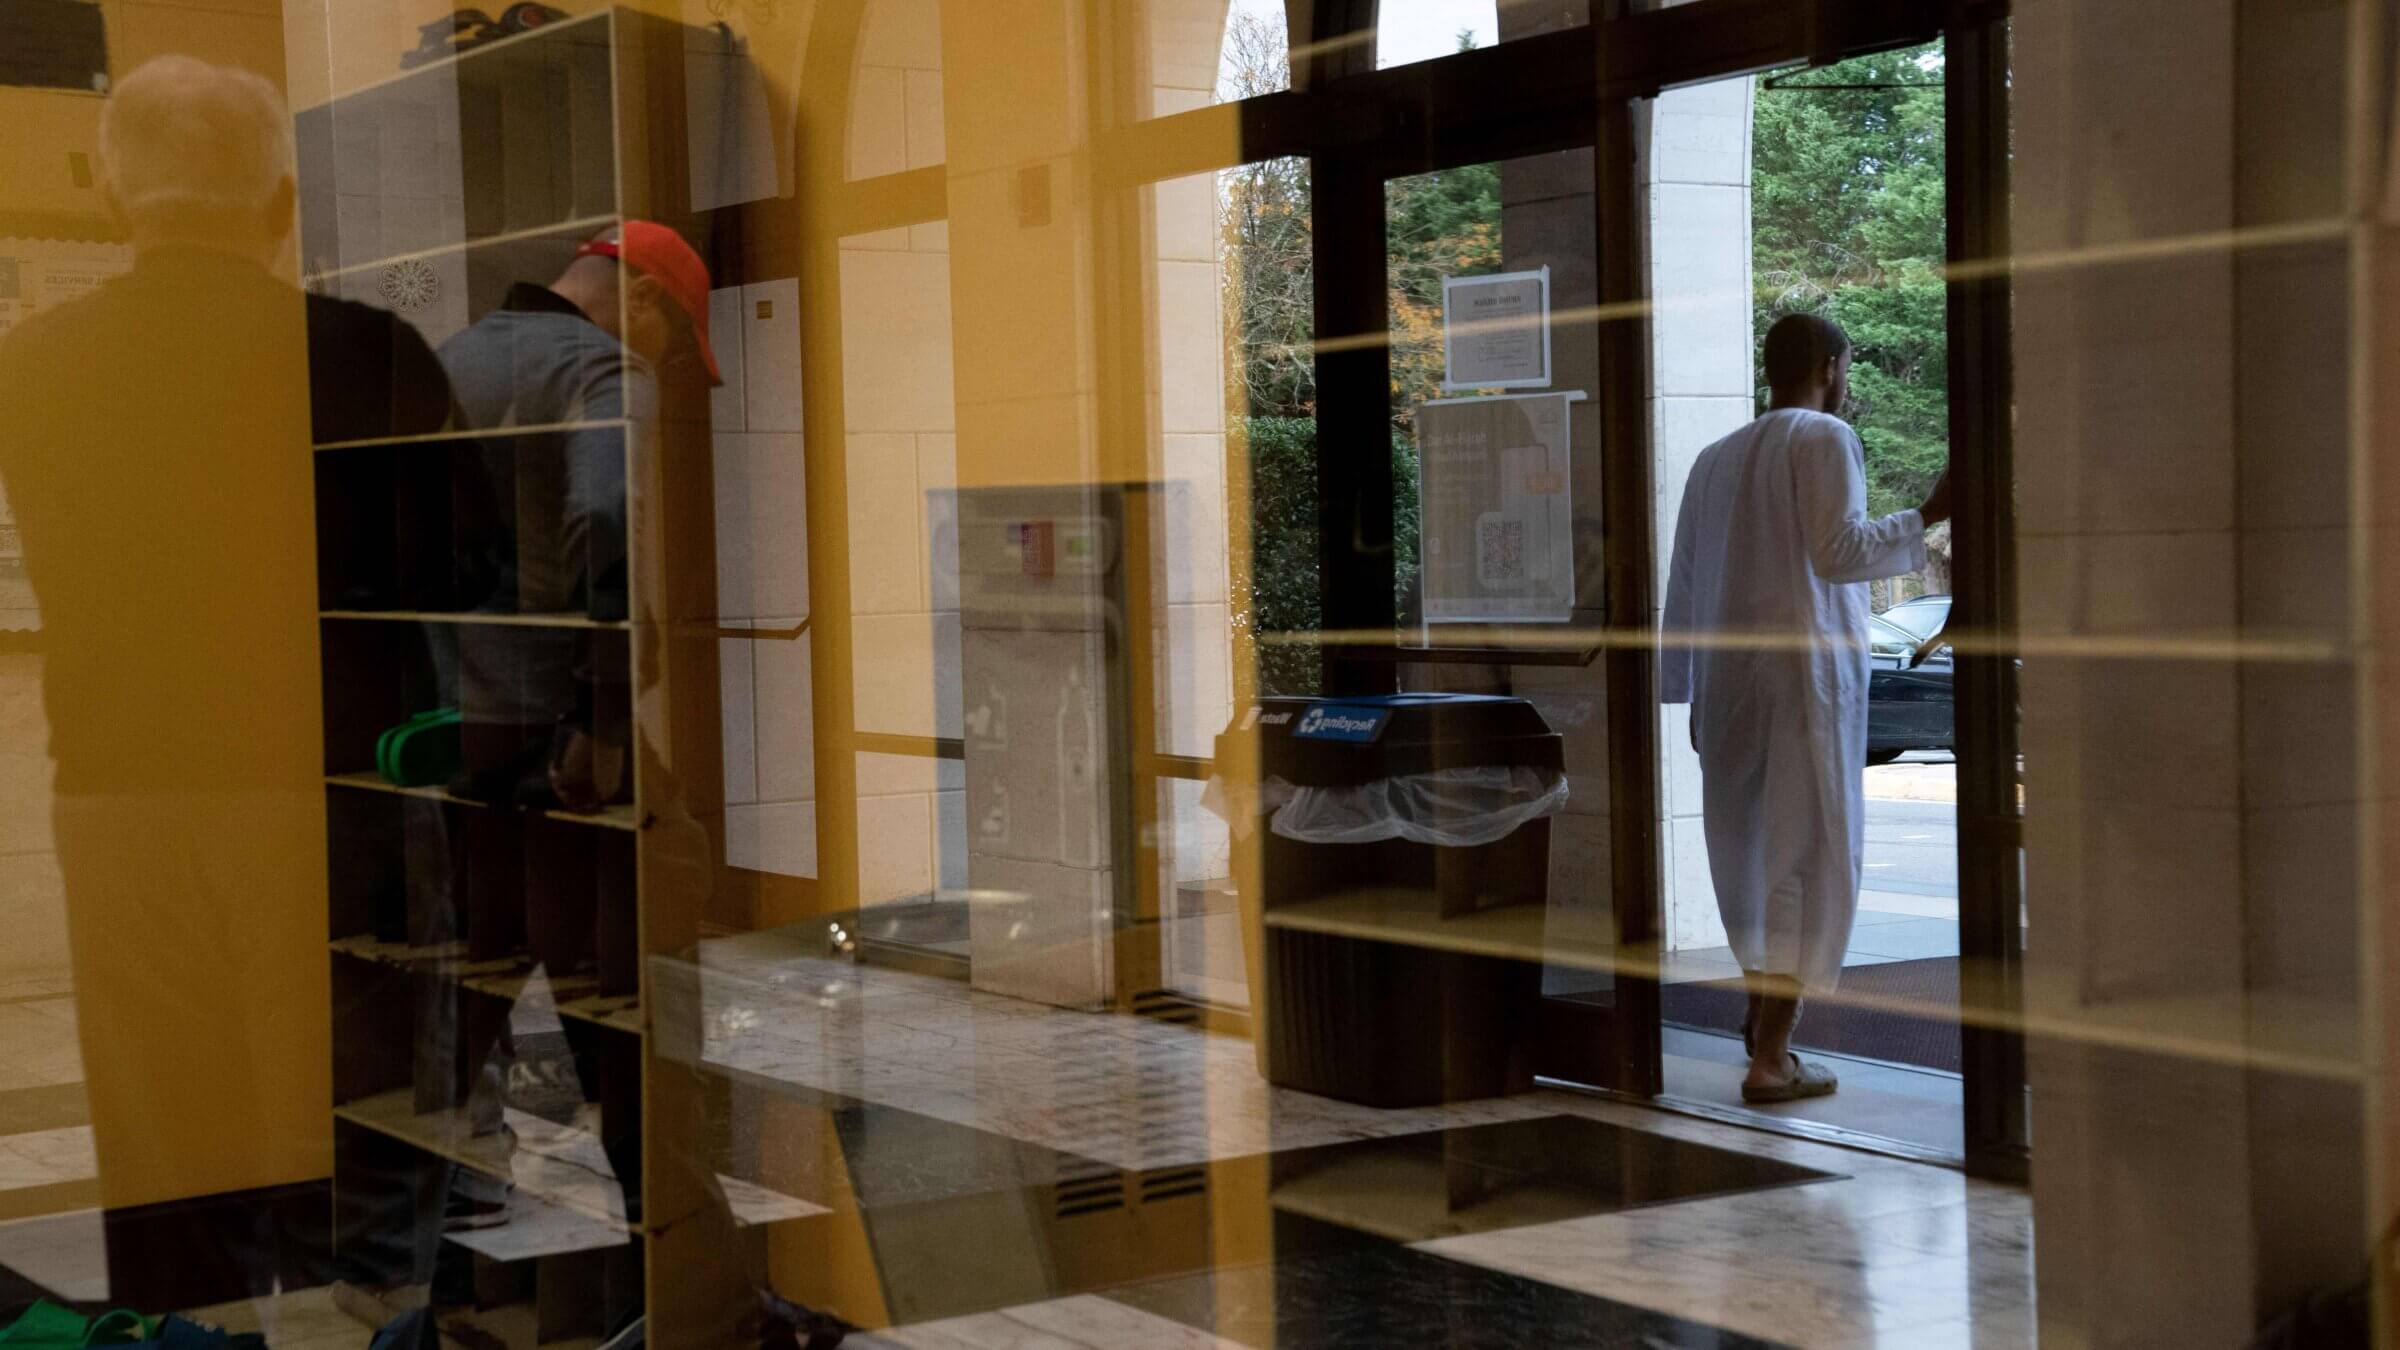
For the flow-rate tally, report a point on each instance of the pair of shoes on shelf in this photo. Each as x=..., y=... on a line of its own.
x=478, y=1200
x=785, y=1325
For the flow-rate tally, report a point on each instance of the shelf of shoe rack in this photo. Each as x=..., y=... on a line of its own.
x=620, y=816
x=510, y=620
x=583, y=227
x=474, y=434
x=559, y=1165
x=571, y=996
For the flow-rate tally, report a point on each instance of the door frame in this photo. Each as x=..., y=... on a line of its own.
x=1983, y=553
x=1588, y=86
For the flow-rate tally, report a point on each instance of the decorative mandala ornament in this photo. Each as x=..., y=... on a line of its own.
x=410, y=284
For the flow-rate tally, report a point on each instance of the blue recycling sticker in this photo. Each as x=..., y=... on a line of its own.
x=1337, y=722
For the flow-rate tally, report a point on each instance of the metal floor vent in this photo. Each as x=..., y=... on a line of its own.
x=1173, y=1182
x=1093, y=1194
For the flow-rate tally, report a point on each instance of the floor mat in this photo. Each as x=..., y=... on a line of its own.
x=1842, y=1027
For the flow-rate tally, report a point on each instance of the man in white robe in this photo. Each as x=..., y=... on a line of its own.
x=1765, y=635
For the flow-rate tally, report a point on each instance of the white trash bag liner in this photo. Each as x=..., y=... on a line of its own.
x=1454, y=808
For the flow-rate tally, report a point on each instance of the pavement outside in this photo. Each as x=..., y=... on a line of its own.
x=1908, y=902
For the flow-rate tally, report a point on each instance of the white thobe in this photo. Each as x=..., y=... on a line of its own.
x=1765, y=635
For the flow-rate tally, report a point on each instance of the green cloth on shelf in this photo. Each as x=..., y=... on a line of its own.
x=422, y=750
x=47, y=1326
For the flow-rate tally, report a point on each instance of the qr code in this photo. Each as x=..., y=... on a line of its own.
x=1500, y=555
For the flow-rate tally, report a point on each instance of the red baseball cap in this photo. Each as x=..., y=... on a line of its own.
x=660, y=254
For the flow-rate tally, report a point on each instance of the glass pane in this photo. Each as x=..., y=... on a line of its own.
x=1423, y=30
x=1233, y=411
x=1232, y=517
x=1199, y=52
x=1200, y=910
x=767, y=684
x=1496, y=490
x=1496, y=467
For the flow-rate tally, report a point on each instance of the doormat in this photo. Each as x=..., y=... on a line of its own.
x=1844, y=1028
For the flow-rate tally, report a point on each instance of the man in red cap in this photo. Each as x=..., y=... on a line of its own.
x=543, y=531
x=665, y=306
x=582, y=354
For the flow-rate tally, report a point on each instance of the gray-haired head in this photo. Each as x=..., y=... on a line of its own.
x=197, y=153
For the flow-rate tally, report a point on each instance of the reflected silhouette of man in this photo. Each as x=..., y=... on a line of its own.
x=1772, y=550
x=154, y=442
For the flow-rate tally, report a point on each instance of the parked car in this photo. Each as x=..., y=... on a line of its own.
x=1907, y=709
x=1924, y=616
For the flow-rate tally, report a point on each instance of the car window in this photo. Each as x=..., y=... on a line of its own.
x=1885, y=638
x=1923, y=618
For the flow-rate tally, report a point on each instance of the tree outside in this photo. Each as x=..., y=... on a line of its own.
x=1846, y=201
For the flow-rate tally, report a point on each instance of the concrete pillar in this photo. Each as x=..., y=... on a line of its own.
x=1697, y=176
x=2192, y=677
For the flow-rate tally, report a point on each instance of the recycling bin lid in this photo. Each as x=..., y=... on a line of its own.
x=1341, y=742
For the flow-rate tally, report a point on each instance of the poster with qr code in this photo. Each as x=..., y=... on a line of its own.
x=1498, y=542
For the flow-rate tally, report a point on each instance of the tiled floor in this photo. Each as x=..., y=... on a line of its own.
x=1082, y=1322
x=46, y=1157
x=37, y=1043
x=1549, y=1218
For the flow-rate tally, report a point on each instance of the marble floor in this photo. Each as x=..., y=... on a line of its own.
x=1024, y=1176
x=47, y=1163
x=1879, y=1252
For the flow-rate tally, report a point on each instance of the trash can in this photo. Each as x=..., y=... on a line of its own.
x=1378, y=829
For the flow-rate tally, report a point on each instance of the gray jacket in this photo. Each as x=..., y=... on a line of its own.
x=537, y=361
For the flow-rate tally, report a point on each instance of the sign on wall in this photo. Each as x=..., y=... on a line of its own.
x=1496, y=331
x=1498, y=532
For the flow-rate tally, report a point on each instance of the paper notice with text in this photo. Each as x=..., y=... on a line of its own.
x=1498, y=532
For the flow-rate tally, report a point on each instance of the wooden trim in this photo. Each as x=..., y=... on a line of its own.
x=217, y=1248
x=828, y=208
x=1983, y=535
x=917, y=747
x=911, y=197
x=1354, y=419
x=1191, y=768
x=1629, y=554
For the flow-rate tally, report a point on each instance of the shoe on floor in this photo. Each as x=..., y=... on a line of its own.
x=475, y=1201
x=1807, y=1080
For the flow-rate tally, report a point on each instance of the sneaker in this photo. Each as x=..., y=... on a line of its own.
x=785, y=1325
x=476, y=1201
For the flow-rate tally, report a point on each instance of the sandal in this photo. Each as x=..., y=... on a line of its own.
x=1807, y=1080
